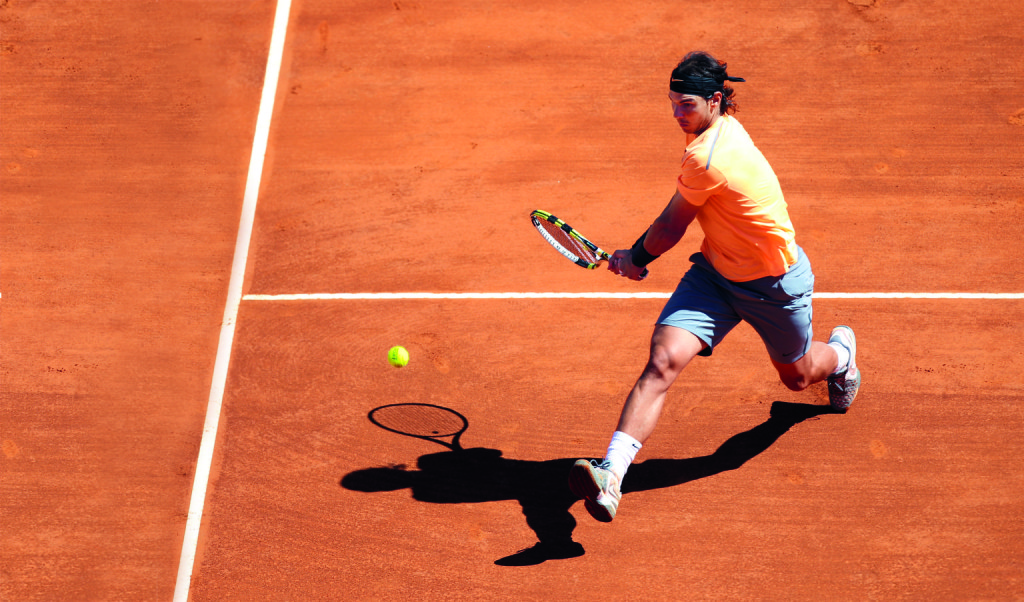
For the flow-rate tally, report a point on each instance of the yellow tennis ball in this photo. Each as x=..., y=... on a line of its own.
x=398, y=356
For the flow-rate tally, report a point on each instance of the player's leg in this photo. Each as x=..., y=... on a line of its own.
x=598, y=484
x=693, y=321
x=815, y=366
x=779, y=309
x=834, y=361
x=672, y=349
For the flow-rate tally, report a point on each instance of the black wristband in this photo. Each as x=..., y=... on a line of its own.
x=639, y=255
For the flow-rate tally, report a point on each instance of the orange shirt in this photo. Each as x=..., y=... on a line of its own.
x=747, y=230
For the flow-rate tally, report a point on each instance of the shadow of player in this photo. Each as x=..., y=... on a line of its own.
x=483, y=475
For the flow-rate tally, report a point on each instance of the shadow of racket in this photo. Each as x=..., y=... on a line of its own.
x=422, y=421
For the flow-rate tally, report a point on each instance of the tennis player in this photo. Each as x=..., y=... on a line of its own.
x=749, y=268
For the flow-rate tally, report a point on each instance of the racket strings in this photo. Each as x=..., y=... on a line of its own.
x=419, y=420
x=568, y=242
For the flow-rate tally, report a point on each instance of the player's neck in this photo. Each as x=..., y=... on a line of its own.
x=714, y=119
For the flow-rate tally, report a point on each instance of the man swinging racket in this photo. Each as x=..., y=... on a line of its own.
x=749, y=268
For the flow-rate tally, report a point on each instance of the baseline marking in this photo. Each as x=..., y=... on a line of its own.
x=227, y=330
x=399, y=296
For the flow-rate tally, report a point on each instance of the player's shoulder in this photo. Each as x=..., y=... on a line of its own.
x=696, y=157
x=735, y=135
x=727, y=131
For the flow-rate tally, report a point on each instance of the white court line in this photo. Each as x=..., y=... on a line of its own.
x=227, y=330
x=662, y=295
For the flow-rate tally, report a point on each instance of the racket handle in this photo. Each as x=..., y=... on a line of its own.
x=607, y=257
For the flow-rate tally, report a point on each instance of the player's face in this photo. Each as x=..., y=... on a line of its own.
x=693, y=113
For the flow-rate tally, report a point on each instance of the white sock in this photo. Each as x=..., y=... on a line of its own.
x=621, y=453
x=844, y=357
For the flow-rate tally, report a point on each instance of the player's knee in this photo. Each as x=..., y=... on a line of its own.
x=794, y=378
x=796, y=382
x=798, y=375
x=671, y=350
x=662, y=363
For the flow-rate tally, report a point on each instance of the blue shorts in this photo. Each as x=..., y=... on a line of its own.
x=779, y=308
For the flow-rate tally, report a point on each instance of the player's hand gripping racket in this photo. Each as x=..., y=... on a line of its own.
x=570, y=243
x=422, y=421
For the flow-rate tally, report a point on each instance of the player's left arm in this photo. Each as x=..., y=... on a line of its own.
x=667, y=230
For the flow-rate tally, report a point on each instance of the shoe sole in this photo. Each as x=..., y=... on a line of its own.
x=583, y=485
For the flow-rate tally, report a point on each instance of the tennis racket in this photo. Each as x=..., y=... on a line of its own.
x=570, y=243
x=422, y=421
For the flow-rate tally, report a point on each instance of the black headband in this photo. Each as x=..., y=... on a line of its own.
x=700, y=86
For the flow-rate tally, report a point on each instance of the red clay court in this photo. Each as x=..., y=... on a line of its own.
x=184, y=419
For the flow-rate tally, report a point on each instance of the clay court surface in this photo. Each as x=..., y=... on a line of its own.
x=409, y=141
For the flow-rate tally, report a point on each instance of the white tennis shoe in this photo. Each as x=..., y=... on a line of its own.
x=598, y=487
x=843, y=386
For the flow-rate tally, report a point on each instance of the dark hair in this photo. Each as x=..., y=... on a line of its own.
x=701, y=64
